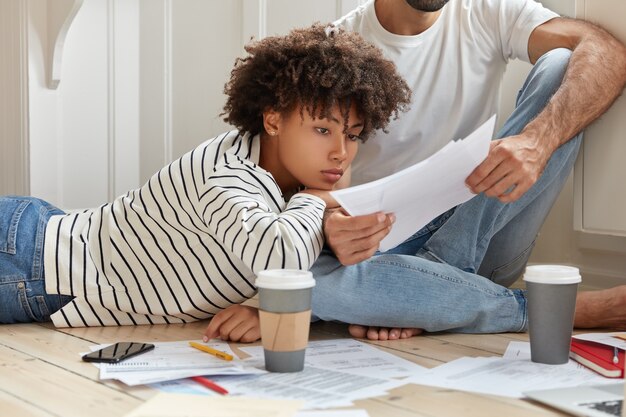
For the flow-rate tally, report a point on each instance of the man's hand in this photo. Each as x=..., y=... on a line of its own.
x=512, y=166
x=237, y=323
x=354, y=239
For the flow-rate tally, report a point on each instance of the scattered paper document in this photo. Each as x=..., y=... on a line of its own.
x=609, y=339
x=336, y=373
x=521, y=351
x=349, y=355
x=298, y=385
x=418, y=194
x=320, y=388
x=183, y=386
x=183, y=405
x=505, y=377
x=170, y=361
x=517, y=351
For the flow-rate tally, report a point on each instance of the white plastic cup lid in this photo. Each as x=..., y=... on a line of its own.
x=552, y=274
x=285, y=279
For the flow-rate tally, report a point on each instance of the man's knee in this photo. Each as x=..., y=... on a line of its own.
x=558, y=57
x=552, y=65
x=505, y=267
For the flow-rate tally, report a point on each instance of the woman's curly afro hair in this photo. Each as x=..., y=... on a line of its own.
x=315, y=68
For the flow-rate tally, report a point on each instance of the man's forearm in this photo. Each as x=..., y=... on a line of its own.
x=595, y=77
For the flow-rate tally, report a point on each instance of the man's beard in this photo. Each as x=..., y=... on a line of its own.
x=427, y=5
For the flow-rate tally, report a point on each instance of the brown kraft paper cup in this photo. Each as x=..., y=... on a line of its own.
x=285, y=332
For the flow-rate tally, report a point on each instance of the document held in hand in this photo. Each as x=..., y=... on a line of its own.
x=419, y=193
x=604, y=359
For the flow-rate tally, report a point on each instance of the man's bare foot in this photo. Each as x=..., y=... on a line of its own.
x=603, y=308
x=381, y=333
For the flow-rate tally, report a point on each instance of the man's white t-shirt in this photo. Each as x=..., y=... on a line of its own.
x=454, y=70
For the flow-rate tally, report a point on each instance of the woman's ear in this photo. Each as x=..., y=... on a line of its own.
x=271, y=122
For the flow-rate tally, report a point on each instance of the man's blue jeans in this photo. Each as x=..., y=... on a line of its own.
x=453, y=273
x=23, y=295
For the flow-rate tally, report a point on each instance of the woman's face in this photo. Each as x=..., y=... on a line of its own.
x=312, y=152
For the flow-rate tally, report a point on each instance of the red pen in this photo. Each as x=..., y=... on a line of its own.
x=209, y=384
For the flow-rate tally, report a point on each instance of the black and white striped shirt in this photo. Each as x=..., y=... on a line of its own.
x=185, y=245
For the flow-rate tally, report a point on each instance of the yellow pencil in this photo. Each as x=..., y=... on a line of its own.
x=214, y=352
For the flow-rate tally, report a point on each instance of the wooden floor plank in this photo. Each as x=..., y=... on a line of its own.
x=11, y=406
x=60, y=391
x=61, y=350
x=49, y=346
x=489, y=344
x=432, y=348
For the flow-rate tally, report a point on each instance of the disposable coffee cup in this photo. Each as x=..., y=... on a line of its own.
x=551, y=294
x=285, y=316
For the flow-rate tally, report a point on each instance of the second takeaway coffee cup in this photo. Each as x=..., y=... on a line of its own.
x=551, y=293
x=285, y=316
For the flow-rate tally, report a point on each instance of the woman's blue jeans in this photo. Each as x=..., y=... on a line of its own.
x=23, y=295
x=453, y=274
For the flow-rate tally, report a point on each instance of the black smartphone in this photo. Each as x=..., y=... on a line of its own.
x=118, y=352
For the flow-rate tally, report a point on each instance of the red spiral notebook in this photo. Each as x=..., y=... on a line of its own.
x=604, y=359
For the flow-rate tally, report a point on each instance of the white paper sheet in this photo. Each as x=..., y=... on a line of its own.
x=608, y=339
x=517, y=351
x=170, y=361
x=183, y=386
x=418, y=194
x=320, y=388
x=521, y=351
x=505, y=377
x=349, y=355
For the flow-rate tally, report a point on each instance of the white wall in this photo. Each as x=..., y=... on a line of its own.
x=187, y=49
x=14, y=167
x=84, y=134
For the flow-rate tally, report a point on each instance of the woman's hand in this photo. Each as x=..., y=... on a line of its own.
x=237, y=323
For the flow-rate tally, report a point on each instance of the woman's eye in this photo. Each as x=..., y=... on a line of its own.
x=354, y=138
x=322, y=130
